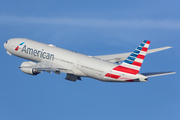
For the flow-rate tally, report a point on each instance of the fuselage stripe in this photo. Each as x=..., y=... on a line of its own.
x=126, y=70
x=112, y=76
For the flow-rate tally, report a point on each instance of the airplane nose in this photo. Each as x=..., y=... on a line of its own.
x=5, y=45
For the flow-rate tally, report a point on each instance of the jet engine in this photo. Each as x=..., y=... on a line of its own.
x=24, y=68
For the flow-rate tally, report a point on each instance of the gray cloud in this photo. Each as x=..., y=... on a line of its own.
x=170, y=24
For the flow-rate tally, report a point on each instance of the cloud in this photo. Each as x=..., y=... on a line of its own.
x=170, y=24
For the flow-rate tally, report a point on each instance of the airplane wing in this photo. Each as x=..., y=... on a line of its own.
x=157, y=74
x=48, y=67
x=123, y=56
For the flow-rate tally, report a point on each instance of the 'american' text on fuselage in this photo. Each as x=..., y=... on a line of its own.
x=37, y=53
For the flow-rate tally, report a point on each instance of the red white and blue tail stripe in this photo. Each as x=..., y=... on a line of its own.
x=133, y=62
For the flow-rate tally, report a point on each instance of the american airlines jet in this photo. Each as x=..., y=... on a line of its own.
x=48, y=58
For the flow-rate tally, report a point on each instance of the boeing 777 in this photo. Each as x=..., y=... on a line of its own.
x=48, y=58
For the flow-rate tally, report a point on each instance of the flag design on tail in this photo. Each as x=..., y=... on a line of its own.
x=133, y=62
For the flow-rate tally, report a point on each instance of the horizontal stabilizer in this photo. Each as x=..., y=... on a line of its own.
x=158, y=49
x=123, y=56
x=153, y=74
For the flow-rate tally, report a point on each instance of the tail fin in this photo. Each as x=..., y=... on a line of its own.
x=133, y=63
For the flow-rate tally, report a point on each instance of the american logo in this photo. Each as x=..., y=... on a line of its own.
x=35, y=52
x=17, y=48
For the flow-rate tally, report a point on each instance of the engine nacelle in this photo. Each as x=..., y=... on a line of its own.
x=29, y=71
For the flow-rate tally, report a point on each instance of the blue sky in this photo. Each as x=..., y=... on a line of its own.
x=93, y=28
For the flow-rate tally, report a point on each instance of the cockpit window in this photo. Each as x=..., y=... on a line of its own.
x=6, y=42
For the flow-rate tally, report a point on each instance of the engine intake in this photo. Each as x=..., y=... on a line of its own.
x=30, y=71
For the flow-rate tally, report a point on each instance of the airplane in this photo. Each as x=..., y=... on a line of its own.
x=122, y=67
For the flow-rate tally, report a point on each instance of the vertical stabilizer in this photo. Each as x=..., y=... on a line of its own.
x=133, y=63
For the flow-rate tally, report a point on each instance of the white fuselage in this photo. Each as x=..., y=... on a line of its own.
x=80, y=64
